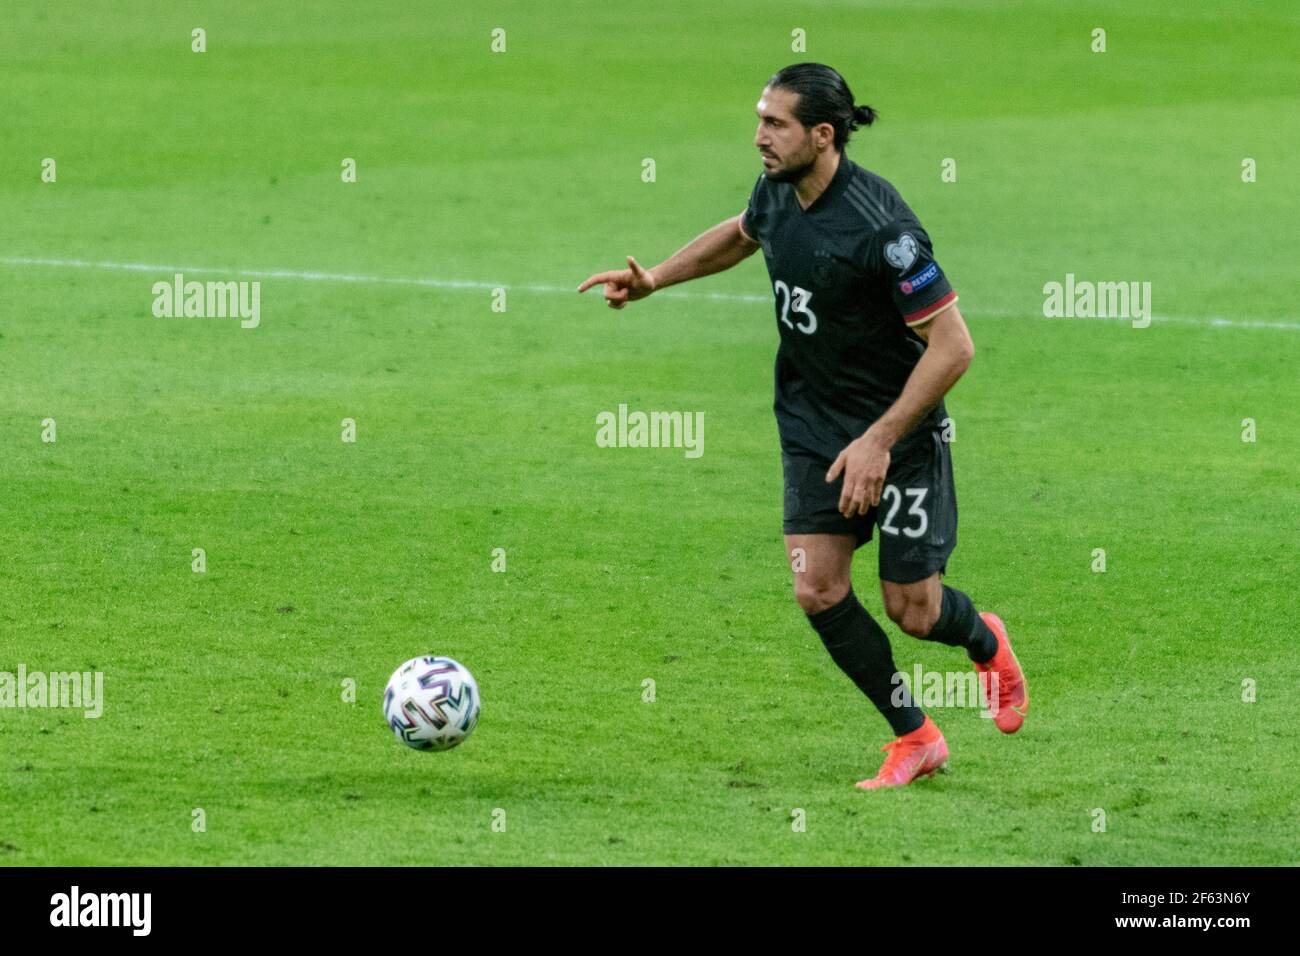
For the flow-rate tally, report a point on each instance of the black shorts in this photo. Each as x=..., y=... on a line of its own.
x=917, y=514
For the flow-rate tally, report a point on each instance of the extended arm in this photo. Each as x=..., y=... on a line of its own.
x=720, y=248
x=713, y=251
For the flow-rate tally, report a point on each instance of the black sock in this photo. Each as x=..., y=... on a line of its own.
x=960, y=626
x=861, y=649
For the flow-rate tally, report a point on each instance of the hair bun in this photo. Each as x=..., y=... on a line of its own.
x=863, y=115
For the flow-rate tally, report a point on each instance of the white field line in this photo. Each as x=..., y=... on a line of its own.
x=156, y=269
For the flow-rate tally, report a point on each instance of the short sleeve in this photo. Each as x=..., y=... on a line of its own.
x=751, y=220
x=900, y=255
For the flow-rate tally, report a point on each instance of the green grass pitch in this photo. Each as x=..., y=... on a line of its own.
x=330, y=561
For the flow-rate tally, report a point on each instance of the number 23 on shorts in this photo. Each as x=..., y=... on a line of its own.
x=891, y=500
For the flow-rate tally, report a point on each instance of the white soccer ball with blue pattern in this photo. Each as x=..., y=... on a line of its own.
x=431, y=703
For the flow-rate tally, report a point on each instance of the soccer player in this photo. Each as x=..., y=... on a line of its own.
x=871, y=340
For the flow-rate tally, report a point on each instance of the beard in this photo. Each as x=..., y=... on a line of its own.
x=789, y=175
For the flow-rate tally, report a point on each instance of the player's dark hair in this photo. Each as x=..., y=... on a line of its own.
x=824, y=97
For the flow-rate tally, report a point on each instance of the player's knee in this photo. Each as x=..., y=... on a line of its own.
x=913, y=611
x=895, y=607
x=919, y=619
x=818, y=594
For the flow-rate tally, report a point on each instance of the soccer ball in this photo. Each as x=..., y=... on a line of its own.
x=431, y=703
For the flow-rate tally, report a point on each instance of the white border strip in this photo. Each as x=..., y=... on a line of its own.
x=1217, y=322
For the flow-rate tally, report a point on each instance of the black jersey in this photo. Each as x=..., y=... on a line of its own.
x=852, y=275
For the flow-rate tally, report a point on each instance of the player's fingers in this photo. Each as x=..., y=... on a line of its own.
x=849, y=498
x=862, y=497
x=636, y=269
x=875, y=487
x=836, y=467
x=597, y=279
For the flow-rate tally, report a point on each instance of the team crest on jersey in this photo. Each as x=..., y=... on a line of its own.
x=902, y=252
x=823, y=268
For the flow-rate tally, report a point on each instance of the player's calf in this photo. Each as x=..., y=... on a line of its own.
x=960, y=625
x=822, y=566
x=861, y=650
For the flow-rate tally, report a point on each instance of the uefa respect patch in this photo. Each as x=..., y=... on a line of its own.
x=920, y=280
